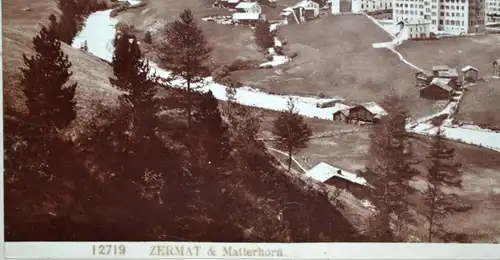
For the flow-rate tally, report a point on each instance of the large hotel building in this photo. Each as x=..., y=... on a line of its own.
x=451, y=16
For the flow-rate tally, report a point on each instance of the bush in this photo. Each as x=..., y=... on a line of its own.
x=269, y=57
x=240, y=64
x=321, y=95
x=220, y=72
x=229, y=81
x=148, y=38
x=279, y=50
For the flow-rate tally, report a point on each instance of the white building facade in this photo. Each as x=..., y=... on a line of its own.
x=492, y=10
x=359, y=6
x=450, y=16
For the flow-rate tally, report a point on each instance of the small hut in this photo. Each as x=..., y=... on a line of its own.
x=470, y=74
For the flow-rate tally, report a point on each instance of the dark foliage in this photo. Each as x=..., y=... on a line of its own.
x=73, y=17
x=292, y=131
x=389, y=171
x=263, y=37
x=186, y=53
x=148, y=38
x=45, y=76
x=443, y=172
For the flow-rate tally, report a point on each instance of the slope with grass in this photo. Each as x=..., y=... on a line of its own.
x=19, y=28
x=228, y=42
x=479, y=51
x=336, y=57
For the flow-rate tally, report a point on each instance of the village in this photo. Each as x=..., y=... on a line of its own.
x=337, y=62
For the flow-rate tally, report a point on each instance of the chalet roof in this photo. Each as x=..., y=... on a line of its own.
x=233, y=1
x=468, y=67
x=246, y=16
x=374, y=108
x=343, y=111
x=426, y=73
x=246, y=5
x=323, y=172
x=448, y=73
x=443, y=83
x=440, y=67
x=303, y=4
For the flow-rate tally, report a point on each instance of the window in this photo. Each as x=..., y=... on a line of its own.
x=452, y=22
x=433, y=13
x=421, y=13
x=463, y=23
x=442, y=13
x=447, y=22
x=441, y=22
x=433, y=7
x=433, y=21
x=361, y=6
x=452, y=14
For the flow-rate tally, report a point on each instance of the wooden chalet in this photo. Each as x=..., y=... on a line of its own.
x=369, y=112
x=423, y=78
x=333, y=176
x=470, y=74
x=439, y=89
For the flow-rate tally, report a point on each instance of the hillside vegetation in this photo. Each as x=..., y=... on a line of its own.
x=137, y=171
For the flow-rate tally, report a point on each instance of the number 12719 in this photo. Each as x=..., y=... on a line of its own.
x=109, y=249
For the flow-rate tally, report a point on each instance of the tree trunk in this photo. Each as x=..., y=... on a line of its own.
x=188, y=78
x=431, y=217
x=289, y=158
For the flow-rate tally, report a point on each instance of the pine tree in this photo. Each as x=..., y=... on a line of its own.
x=389, y=172
x=291, y=130
x=263, y=37
x=443, y=172
x=132, y=75
x=68, y=24
x=50, y=101
x=214, y=135
x=186, y=53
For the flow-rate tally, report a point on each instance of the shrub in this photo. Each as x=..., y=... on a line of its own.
x=148, y=38
x=220, y=72
x=321, y=95
x=279, y=50
x=240, y=64
x=229, y=81
x=269, y=57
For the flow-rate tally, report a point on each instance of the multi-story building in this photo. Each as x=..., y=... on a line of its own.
x=359, y=6
x=492, y=10
x=451, y=16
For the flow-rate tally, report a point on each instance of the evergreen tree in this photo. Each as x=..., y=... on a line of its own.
x=214, y=135
x=389, y=172
x=443, y=172
x=186, y=53
x=291, y=130
x=148, y=38
x=69, y=20
x=50, y=101
x=132, y=75
x=263, y=37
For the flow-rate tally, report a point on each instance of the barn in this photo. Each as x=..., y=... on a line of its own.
x=333, y=176
x=423, y=78
x=341, y=115
x=367, y=112
x=439, y=89
x=470, y=74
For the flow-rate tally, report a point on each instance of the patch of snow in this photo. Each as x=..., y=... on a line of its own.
x=277, y=60
x=273, y=27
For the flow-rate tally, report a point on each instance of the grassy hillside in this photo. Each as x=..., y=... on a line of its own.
x=19, y=28
x=229, y=42
x=336, y=58
x=239, y=202
x=480, y=51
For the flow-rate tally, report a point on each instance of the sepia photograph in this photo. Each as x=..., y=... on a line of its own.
x=271, y=121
